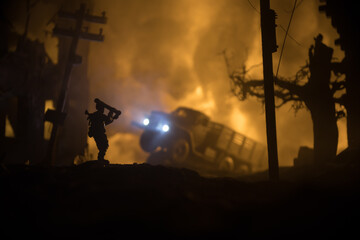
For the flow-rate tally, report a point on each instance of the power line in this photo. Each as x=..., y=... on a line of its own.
x=298, y=5
x=291, y=37
x=301, y=1
x=286, y=33
x=252, y=5
x=281, y=27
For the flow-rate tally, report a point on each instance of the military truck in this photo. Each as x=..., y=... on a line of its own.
x=188, y=138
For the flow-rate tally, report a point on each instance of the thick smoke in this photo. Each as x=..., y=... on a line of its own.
x=161, y=54
x=164, y=54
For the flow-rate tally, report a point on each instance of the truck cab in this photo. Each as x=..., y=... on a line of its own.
x=188, y=138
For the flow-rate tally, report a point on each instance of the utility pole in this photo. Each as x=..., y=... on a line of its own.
x=57, y=116
x=268, y=35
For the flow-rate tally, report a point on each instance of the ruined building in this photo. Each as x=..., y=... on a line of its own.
x=29, y=84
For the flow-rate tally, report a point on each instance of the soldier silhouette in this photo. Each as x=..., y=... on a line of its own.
x=97, y=122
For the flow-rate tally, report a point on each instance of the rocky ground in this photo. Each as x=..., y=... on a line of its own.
x=143, y=200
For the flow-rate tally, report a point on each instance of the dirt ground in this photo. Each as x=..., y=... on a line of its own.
x=136, y=200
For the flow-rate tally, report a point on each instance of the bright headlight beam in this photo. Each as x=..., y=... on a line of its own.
x=165, y=128
x=146, y=121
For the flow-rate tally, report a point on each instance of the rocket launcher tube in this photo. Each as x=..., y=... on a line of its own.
x=111, y=109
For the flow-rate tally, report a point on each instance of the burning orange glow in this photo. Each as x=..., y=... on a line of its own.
x=49, y=104
x=158, y=55
x=199, y=101
x=170, y=56
x=9, y=131
x=239, y=121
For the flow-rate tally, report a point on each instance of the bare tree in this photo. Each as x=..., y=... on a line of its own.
x=311, y=87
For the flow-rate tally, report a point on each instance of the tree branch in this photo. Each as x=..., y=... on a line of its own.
x=291, y=86
x=337, y=86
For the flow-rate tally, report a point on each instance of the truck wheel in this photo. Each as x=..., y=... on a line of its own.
x=180, y=150
x=226, y=164
x=244, y=169
x=157, y=158
x=148, y=141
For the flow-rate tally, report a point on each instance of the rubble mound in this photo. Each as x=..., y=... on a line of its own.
x=144, y=200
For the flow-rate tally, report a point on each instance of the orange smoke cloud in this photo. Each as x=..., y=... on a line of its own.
x=160, y=54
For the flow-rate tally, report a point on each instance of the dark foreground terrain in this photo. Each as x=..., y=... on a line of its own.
x=126, y=201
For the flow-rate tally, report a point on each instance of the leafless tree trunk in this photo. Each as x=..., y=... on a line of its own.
x=311, y=87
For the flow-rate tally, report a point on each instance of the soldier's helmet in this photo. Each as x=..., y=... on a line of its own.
x=319, y=38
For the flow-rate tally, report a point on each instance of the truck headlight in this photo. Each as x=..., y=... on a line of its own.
x=146, y=121
x=165, y=128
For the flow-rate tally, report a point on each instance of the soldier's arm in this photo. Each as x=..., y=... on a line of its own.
x=89, y=115
x=108, y=119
